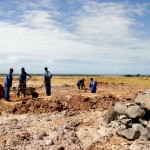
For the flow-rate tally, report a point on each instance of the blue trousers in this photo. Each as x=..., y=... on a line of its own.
x=7, y=91
x=48, y=89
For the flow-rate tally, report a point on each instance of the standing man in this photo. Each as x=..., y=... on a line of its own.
x=22, y=81
x=80, y=84
x=93, y=85
x=47, y=81
x=8, y=83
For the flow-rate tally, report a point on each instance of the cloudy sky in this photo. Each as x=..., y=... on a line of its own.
x=75, y=36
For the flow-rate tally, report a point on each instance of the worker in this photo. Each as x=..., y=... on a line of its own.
x=47, y=81
x=80, y=84
x=92, y=85
x=8, y=84
x=22, y=81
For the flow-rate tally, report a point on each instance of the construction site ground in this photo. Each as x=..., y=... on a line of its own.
x=69, y=118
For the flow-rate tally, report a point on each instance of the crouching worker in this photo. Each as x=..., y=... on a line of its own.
x=93, y=85
x=80, y=84
x=47, y=81
x=8, y=83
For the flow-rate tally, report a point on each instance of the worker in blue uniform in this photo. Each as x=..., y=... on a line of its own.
x=47, y=81
x=22, y=81
x=8, y=84
x=93, y=85
x=80, y=84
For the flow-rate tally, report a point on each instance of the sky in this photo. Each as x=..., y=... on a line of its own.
x=75, y=36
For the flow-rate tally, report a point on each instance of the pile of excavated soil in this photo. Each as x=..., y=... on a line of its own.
x=86, y=103
x=1, y=91
x=59, y=103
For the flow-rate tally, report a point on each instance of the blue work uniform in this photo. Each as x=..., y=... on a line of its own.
x=22, y=79
x=47, y=82
x=22, y=82
x=81, y=84
x=92, y=86
x=7, y=85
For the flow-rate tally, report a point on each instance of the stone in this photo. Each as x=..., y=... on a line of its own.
x=130, y=134
x=114, y=124
x=111, y=115
x=143, y=100
x=139, y=127
x=120, y=108
x=126, y=121
x=148, y=133
x=122, y=117
x=135, y=112
x=49, y=142
x=148, y=124
x=143, y=122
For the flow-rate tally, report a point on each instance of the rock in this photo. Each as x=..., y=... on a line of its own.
x=126, y=121
x=115, y=124
x=16, y=127
x=49, y=142
x=143, y=100
x=130, y=134
x=139, y=127
x=148, y=133
x=122, y=117
x=111, y=115
x=143, y=122
x=120, y=108
x=148, y=124
x=135, y=112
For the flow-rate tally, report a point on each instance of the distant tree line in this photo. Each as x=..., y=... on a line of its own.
x=136, y=75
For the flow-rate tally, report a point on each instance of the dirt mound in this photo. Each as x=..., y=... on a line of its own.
x=87, y=103
x=33, y=106
x=59, y=103
x=2, y=92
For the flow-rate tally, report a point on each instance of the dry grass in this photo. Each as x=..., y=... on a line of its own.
x=71, y=80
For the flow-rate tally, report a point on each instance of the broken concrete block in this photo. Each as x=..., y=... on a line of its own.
x=135, y=112
x=130, y=134
x=139, y=127
x=111, y=115
x=120, y=108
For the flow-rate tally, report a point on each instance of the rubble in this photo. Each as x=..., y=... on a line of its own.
x=134, y=117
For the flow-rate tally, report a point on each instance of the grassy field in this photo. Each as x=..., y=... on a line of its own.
x=139, y=81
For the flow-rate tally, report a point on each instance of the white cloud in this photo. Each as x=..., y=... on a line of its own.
x=102, y=34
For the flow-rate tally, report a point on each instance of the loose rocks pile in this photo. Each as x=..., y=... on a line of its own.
x=1, y=91
x=133, y=119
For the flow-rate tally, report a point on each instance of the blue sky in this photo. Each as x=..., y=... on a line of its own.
x=75, y=36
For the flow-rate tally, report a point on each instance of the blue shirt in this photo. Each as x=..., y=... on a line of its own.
x=47, y=77
x=8, y=80
x=22, y=77
x=93, y=86
x=80, y=82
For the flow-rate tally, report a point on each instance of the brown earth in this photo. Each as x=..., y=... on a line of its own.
x=67, y=96
x=1, y=91
x=69, y=118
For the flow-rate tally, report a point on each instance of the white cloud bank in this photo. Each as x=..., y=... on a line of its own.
x=102, y=39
